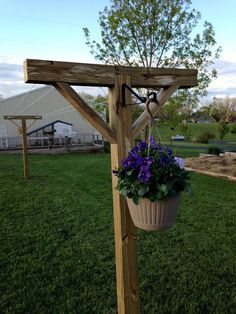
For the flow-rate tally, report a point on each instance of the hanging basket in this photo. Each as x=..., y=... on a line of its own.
x=157, y=215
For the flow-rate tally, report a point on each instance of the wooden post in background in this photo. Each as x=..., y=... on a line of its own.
x=125, y=231
x=25, y=149
x=23, y=131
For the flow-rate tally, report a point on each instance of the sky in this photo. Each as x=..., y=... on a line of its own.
x=52, y=30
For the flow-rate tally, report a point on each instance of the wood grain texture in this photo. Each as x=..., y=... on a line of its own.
x=125, y=231
x=142, y=121
x=120, y=134
x=47, y=72
x=87, y=112
x=22, y=117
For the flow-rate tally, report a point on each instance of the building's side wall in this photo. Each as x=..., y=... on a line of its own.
x=46, y=102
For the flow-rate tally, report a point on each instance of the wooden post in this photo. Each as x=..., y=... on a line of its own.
x=125, y=231
x=23, y=131
x=25, y=149
x=120, y=135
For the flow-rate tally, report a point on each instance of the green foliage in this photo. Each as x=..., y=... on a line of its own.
x=107, y=147
x=156, y=33
x=195, y=130
x=233, y=128
x=137, y=111
x=98, y=103
x=101, y=106
x=185, y=130
x=214, y=150
x=57, y=242
x=205, y=136
x=216, y=115
x=223, y=129
x=170, y=113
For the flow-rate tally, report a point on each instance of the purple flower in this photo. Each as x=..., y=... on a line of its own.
x=142, y=145
x=159, y=148
x=144, y=174
x=169, y=151
x=124, y=163
x=165, y=160
x=115, y=172
x=132, y=161
x=180, y=162
x=147, y=161
x=134, y=150
x=152, y=140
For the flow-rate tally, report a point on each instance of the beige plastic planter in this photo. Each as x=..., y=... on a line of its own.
x=156, y=215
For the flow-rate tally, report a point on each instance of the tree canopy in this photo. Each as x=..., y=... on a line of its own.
x=224, y=109
x=151, y=33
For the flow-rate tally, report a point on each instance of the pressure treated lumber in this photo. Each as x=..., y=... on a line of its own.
x=47, y=72
x=12, y=117
x=120, y=134
x=25, y=149
x=23, y=131
x=125, y=231
x=87, y=112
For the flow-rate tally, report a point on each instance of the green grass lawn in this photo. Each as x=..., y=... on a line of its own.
x=195, y=129
x=184, y=150
x=57, y=242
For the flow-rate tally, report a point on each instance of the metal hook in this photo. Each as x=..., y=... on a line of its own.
x=148, y=102
x=154, y=98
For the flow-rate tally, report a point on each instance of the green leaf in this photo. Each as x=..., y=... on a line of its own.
x=123, y=192
x=129, y=172
x=163, y=189
x=143, y=190
x=136, y=199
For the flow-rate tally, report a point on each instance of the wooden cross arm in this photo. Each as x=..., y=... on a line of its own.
x=48, y=72
x=22, y=117
x=87, y=112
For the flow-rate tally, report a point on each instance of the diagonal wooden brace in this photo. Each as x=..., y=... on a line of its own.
x=87, y=112
x=143, y=120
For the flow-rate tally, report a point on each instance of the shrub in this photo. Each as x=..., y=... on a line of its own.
x=107, y=147
x=214, y=150
x=205, y=136
x=223, y=129
x=233, y=128
x=185, y=129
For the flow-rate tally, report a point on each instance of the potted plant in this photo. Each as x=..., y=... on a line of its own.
x=152, y=178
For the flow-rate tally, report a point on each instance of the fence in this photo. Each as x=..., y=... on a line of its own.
x=84, y=139
x=225, y=146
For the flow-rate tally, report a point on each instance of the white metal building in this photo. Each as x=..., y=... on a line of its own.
x=49, y=104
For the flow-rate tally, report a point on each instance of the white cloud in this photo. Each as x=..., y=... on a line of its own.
x=11, y=82
x=225, y=84
x=228, y=55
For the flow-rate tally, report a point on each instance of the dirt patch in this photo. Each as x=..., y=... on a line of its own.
x=218, y=164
